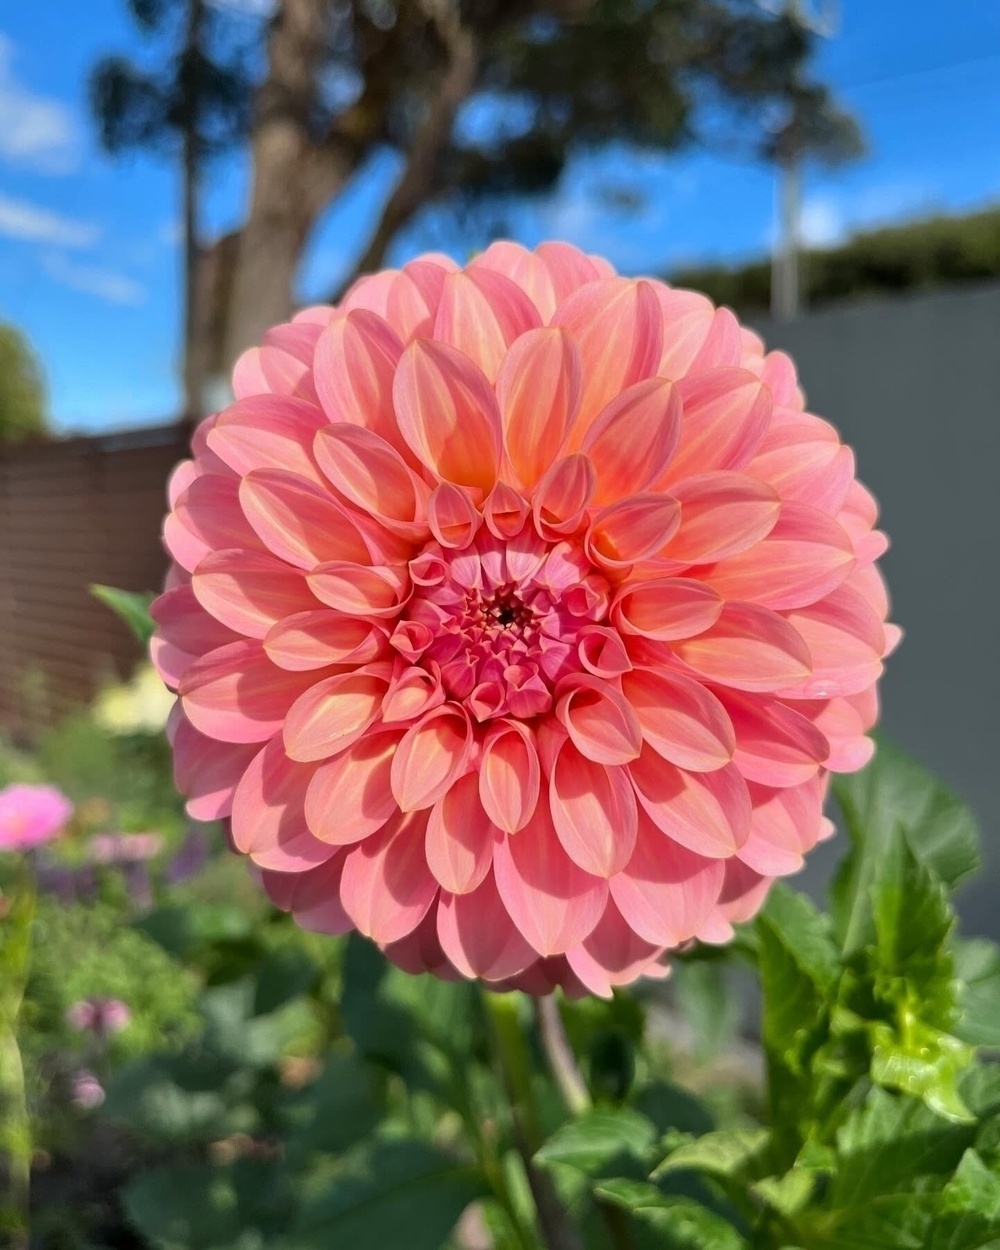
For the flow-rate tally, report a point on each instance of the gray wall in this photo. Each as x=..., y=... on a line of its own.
x=913, y=384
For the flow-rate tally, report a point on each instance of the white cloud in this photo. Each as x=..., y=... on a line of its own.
x=821, y=223
x=109, y=285
x=170, y=233
x=35, y=130
x=20, y=219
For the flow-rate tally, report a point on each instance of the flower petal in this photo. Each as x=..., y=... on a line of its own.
x=354, y=368
x=387, y=888
x=538, y=388
x=369, y=473
x=632, y=440
x=612, y=955
x=432, y=755
x=460, y=838
x=311, y=640
x=236, y=694
x=447, y=414
x=481, y=313
x=299, y=521
x=775, y=745
x=629, y=531
x=709, y=813
x=333, y=714
x=726, y=414
x=666, y=610
x=680, y=719
x=749, y=648
x=510, y=776
x=593, y=811
x=478, y=935
x=250, y=592
x=348, y=797
x=268, y=432
x=721, y=514
x=268, y=823
x=208, y=771
x=599, y=719
x=666, y=892
x=552, y=901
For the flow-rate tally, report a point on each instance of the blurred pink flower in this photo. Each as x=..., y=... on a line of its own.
x=86, y=1091
x=31, y=815
x=124, y=848
x=102, y=1016
x=519, y=614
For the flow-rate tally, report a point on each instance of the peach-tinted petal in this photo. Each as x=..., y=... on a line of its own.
x=359, y=590
x=510, y=776
x=312, y=896
x=370, y=474
x=599, y=720
x=709, y=813
x=552, y=901
x=616, y=323
x=348, y=797
x=355, y=365
x=666, y=610
x=593, y=811
x=626, y=532
x=680, y=719
x=236, y=694
x=208, y=517
x=250, y=592
x=460, y=838
x=775, y=745
x=665, y=891
x=310, y=640
x=846, y=641
x=479, y=936
x=785, y=824
x=561, y=498
x=268, y=432
x=299, y=521
x=334, y=713
x=687, y=321
x=538, y=388
x=208, y=771
x=568, y=268
x=452, y=516
x=268, y=823
x=431, y=757
x=803, y=558
x=481, y=313
x=387, y=887
x=632, y=441
x=721, y=515
x=527, y=269
x=749, y=648
x=613, y=954
x=726, y=414
x=447, y=414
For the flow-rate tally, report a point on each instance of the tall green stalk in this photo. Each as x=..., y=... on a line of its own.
x=15, y=1126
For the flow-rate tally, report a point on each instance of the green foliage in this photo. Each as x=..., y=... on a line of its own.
x=130, y=607
x=22, y=389
x=914, y=257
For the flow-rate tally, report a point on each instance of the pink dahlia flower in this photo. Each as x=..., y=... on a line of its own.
x=31, y=815
x=519, y=614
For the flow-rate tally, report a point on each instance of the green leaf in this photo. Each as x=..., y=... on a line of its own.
x=407, y=1195
x=804, y=932
x=969, y=1217
x=889, y=1142
x=894, y=791
x=195, y=1206
x=914, y=980
x=977, y=966
x=148, y=1097
x=678, y=1223
x=669, y=1106
x=599, y=1141
x=725, y=1154
x=709, y=1006
x=393, y=1016
x=130, y=607
x=339, y=1109
x=233, y=1031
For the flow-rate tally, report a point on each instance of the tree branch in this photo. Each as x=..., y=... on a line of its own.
x=418, y=181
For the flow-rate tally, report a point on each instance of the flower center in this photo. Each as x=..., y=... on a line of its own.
x=499, y=624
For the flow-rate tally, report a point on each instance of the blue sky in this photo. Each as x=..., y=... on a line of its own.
x=88, y=247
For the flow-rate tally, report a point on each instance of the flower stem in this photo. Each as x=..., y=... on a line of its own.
x=514, y=1062
x=15, y=1125
x=560, y=1056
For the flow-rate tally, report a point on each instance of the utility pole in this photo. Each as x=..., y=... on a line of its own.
x=786, y=280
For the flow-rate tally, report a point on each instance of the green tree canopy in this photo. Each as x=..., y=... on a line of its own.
x=22, y=389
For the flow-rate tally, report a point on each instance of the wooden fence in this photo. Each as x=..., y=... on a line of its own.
x=73, y=513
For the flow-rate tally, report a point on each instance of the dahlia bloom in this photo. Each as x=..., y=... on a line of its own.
x=31, y=815
x=518, y=616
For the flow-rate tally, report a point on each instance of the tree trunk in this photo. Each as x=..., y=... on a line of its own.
x=294, y=178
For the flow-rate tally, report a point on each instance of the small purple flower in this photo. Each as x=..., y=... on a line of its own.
x=191, y=857
x=124, y=848
x=31, y=815
x=100, y=1016
x=86, y=1091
